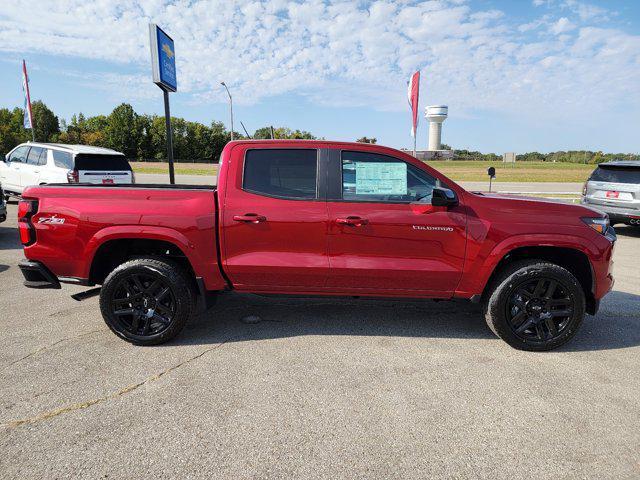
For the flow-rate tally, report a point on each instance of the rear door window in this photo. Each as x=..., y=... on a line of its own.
x=34, y=156
x=62, y=159
x=616, y=174
x=19, y=155
x=43, y=157
x=283, y=173
x=97, y=163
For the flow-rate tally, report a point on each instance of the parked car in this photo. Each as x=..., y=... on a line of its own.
x=3, y=205
x=319, y=218
x=42, y=163
x=614, y=188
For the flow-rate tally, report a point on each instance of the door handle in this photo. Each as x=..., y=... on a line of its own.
x=352, y=221
x=250, y=218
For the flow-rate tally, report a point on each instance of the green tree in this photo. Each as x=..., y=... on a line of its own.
x=367, y=140
x=123, y=130
x=282, y=133
x=45, y=124
x=12, y=132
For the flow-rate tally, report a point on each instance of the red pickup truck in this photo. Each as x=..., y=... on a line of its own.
x=319, y=218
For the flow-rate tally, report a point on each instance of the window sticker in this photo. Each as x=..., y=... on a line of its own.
x=379, y=178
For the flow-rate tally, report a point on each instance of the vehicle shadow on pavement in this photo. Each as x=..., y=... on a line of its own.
x=615, y=325
x=628, y=231
x=9, y=239
x=288, y=317
x=232, y=320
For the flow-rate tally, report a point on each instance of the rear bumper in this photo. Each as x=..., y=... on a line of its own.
x=616, y=214
x=36, y=275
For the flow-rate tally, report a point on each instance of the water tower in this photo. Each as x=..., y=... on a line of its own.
x=436, y=114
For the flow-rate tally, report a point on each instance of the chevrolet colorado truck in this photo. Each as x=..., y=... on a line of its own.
x=309, y=218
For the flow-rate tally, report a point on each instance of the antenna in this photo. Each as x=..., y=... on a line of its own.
x=245, y=130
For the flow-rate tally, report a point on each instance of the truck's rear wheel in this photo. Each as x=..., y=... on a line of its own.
x=535, y=305
x=147, y=301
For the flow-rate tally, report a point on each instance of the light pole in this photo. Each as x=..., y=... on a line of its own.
x=230, y=106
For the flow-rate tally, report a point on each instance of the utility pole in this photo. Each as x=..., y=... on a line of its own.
x=230, y=106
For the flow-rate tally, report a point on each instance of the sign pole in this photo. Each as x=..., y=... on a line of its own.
x=167, y=122
x=163, y=67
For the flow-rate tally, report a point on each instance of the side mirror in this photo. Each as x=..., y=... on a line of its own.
x=491, y=171
x=443, y=197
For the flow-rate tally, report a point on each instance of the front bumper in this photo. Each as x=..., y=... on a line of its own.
x=36, y=275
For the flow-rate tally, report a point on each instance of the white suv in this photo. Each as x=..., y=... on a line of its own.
x=40, y=163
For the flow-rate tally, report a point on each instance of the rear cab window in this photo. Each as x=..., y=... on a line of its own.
x=281, y=173
x=615, y=174
x=373, y=177
x=99, y=162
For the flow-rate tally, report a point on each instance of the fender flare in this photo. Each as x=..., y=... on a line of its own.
x=482, y=272
x=137, y=232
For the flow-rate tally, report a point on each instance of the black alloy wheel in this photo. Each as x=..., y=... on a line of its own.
x=147, y=301
x=535, y=305
x=540, y=309
x=143, y=303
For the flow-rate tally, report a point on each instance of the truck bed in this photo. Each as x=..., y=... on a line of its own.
x=73, y=222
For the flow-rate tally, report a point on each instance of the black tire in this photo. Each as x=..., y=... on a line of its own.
x=522, y=312
x=147, y=301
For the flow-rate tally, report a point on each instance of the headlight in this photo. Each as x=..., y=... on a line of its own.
x=599, y=224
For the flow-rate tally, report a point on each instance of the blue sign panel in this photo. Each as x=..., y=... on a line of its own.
x=163, y=58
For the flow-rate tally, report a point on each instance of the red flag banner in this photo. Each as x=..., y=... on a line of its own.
x=28, y=117
x=413, y=93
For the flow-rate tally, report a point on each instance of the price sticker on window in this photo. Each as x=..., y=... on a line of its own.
x=381, y=178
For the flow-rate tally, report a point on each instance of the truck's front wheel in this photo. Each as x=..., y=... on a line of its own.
x=535, y=305
x=147, y=301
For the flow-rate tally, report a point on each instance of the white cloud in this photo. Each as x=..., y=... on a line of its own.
x=563, y=25
x=345, y=53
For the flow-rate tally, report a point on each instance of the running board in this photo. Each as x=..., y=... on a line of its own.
x=78, y=297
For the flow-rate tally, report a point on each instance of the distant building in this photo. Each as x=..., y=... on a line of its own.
x=509, y=157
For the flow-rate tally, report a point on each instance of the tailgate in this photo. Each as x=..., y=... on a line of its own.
x=103, y=169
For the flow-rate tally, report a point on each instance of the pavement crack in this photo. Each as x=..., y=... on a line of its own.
x=110, y=396
x=47, y=347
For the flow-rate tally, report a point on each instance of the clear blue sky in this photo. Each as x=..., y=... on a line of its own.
x=517, y=75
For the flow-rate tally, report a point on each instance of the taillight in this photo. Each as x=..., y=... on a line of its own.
x=73, y=176
x=133, y=177
x=26, y=209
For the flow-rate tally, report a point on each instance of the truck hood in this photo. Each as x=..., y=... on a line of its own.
x=519, y=204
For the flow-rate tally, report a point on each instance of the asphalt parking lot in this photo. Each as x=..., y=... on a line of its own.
x=316, y=389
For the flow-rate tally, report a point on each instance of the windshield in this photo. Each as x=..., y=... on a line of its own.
x=87, y=161
x=616, y=174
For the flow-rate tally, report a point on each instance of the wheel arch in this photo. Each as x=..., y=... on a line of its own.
x=572, y=259
x=112, y=253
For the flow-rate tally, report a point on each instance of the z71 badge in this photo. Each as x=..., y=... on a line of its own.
x=51, y=220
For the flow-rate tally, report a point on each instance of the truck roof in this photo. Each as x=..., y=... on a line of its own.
x=302, y=141
x=78, y=148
